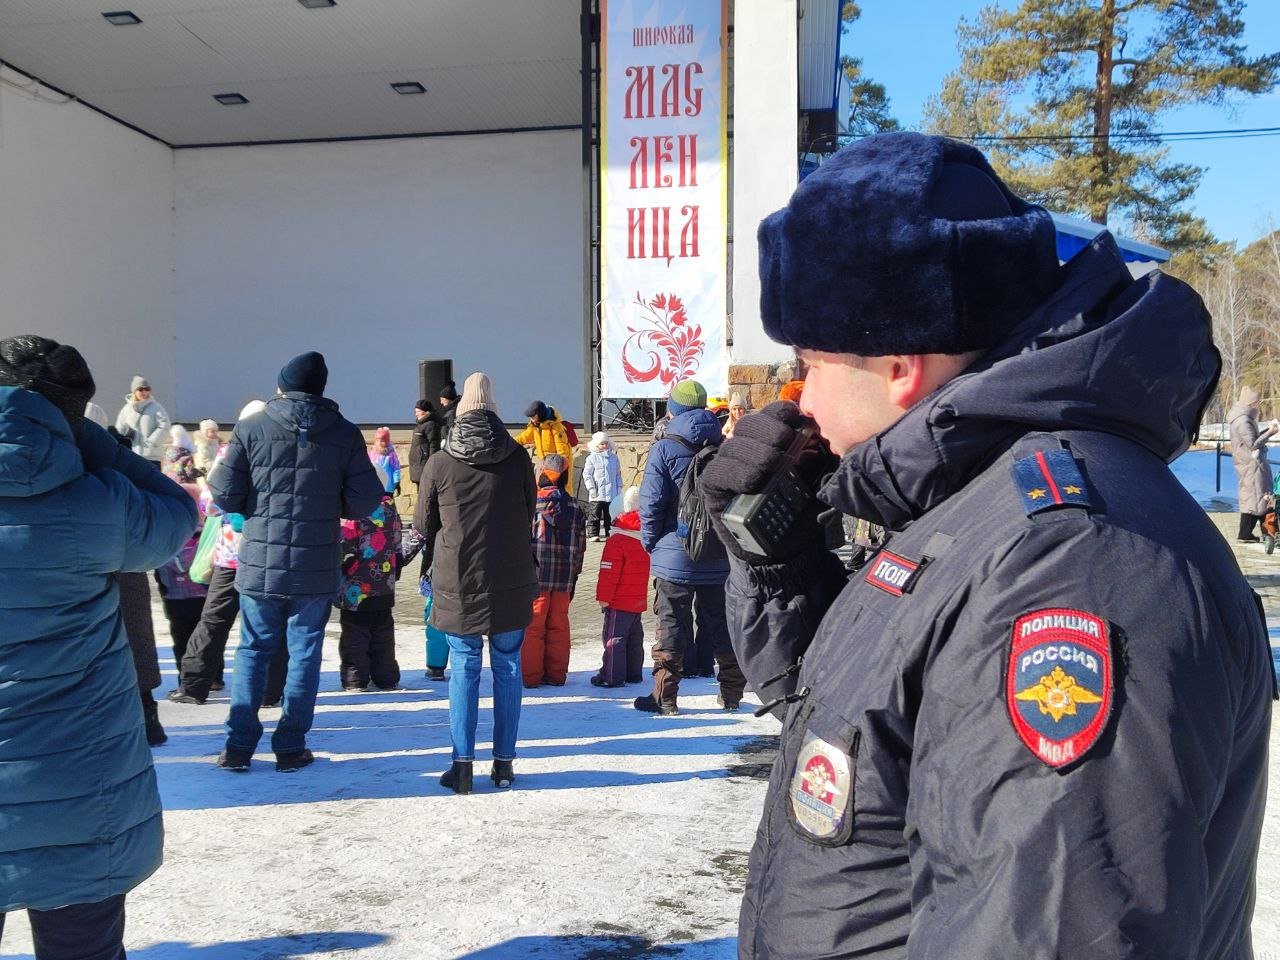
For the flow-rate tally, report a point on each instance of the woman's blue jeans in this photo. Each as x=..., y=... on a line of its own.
x=464, y=692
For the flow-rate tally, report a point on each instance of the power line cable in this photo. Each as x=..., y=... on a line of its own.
x=1172, y=136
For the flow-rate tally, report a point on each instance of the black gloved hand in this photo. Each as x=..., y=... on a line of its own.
x=745, y=463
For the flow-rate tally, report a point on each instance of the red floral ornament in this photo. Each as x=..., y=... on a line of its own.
x=665, y=347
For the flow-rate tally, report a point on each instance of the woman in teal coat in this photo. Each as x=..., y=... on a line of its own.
x=79, y=810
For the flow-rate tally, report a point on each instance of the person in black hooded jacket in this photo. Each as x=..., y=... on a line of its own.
x=474, y=513
x=426, y=438
x=1035, y=723
x=294, y=471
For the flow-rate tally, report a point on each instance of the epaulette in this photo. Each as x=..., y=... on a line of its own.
x=1048, y=479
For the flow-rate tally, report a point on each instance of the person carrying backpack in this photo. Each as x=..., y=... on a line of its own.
x=689, y=568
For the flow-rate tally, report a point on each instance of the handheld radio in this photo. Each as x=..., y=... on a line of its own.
x=758, y=521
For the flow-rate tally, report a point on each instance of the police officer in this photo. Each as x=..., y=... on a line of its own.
x=1035, y=723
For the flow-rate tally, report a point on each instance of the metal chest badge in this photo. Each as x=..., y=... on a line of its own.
x=821, y=789
x=1059, y=682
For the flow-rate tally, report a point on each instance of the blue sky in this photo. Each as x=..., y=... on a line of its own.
x=910, y=47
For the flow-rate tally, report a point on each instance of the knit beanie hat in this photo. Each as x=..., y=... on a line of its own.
x=424, y=405
x=305, y=373
x=686, y=395
x=250, y=408
x=208, y=425
x=178, y=437
x=477, y=394
x=137, y=383
x=537, y=409
x=95, y=413
x=449, y=391
x=903, y=243
x=382, y=433
x=54, y=370
x=791, y=390
x=626, y=502
x=1250, y=397
x=736, y=401
x=552, y=471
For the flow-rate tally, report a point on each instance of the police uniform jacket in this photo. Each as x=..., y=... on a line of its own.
x=1035, y=723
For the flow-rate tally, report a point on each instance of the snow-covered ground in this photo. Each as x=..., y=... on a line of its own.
x=626, y=834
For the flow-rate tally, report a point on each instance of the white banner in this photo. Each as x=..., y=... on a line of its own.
x=664, y=201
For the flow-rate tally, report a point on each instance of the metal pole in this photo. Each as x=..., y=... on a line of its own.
x=588, y=27
x=1217, y=464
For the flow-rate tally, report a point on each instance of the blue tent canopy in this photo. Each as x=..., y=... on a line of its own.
x=1075, y=234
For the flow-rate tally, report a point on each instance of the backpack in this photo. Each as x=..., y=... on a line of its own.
x=693, y=519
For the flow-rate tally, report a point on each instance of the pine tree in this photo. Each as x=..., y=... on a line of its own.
x=1083, y=84
x=868, y=101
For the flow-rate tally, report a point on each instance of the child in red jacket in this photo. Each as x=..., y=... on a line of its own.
x=623, y=592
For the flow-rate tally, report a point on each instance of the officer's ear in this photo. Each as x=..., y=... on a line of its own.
x=905, y=377
x=909, y=378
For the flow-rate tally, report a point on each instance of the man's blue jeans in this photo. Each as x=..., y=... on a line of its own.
x=265, y=623
x=464, y=692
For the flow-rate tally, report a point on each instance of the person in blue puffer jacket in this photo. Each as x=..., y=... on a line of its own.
x=80, y=821
x=680, y=583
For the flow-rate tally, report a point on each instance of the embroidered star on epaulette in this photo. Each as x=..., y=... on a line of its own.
x=1037, y=493
x=1072, y=488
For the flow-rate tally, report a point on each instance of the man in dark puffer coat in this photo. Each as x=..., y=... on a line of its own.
x=294, y=471
x=1035, y=724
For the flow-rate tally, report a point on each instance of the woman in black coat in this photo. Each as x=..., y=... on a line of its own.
x=474, y=511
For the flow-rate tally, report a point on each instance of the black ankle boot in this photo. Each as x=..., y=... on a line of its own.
x=458, y=777
x=502, y=775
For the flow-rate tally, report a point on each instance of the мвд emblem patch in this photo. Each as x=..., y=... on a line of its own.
x=821, y=789
x=1058, y=684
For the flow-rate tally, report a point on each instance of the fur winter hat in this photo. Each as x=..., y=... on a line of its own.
x=599, y=440
x=208, y=425
x=903, y=243
x=54, y=370
x=686, y=395
x=477, y=394
x=305, y=373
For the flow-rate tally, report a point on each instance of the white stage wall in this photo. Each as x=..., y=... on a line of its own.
x=379, y=253
x=86, y=239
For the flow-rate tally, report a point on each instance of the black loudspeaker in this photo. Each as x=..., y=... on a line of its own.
x=432, y=375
